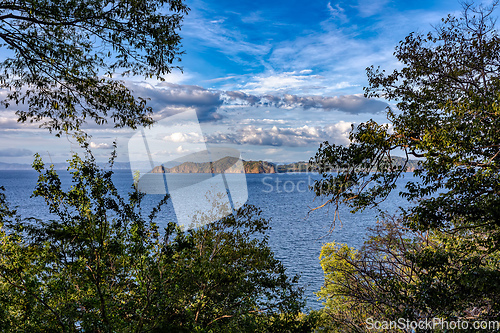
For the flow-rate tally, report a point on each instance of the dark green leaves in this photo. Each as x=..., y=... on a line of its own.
x=446, y=96
x=101, y=264
x=63, y=53
x=361, y=174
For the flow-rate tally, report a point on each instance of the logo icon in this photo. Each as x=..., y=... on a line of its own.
x=205, y=183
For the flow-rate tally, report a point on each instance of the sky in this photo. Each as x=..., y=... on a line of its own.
x=271, y=79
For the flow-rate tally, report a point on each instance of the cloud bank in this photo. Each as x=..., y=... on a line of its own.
x=283, y=136
x=166, y=99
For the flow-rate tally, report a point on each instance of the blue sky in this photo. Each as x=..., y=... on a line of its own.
x=270, y=78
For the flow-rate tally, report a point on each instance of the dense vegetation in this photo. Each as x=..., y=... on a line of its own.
x=104, y=265
x=61, y=56
x=440, y=258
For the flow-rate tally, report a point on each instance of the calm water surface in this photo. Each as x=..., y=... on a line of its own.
x=296, y=234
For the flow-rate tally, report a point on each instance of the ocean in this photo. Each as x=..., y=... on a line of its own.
x=296, y=233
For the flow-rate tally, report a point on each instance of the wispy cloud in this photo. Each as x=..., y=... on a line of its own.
x=367, y=8
x=183, y=137
x=218, y=34
x=284, y=82
x=337, y=12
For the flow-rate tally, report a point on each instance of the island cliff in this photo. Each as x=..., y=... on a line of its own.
x=227, y=164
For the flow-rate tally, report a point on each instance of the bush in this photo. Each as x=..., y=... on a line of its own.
x=102, y=266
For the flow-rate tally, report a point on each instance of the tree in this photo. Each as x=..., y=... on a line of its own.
x=102, y=264
x=367, y=283
x=62, y=55
x=447, y=114
x=403, y=276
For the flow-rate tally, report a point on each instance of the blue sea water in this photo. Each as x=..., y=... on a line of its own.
x=296, y=233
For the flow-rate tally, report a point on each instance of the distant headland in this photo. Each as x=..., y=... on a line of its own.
x=230, y=165
x=227, y=164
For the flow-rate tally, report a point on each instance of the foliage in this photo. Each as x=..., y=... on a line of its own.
x=446, y=97
x=401, y=274
x=366, y=283
x=447, y=112
x=101, y=264
x=61, y=55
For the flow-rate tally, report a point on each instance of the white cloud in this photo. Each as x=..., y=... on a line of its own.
x=306, y=71
x=181, y=150
x=8, y=120
x=101, y=145
x=282, y=83
x=183, y=137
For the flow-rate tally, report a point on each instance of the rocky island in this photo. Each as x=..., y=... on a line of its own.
x=229, y=164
